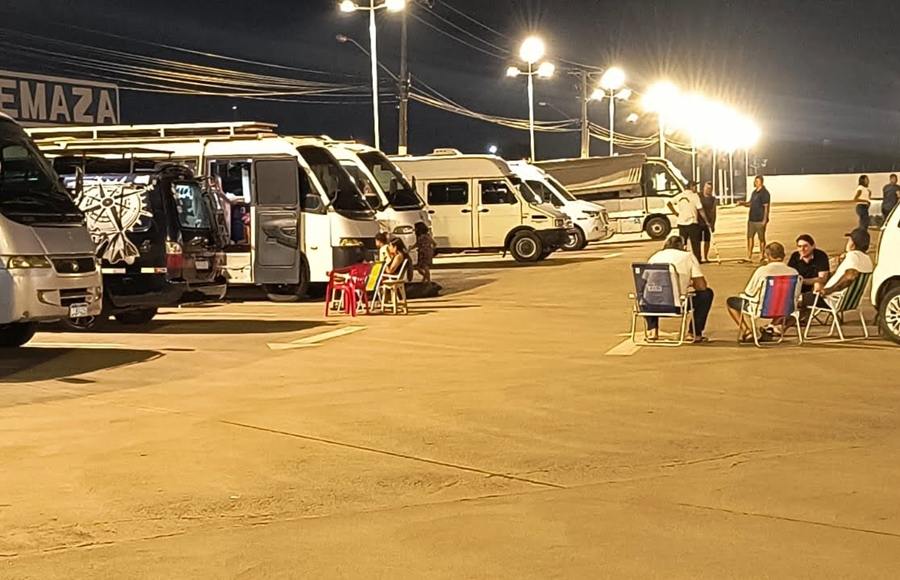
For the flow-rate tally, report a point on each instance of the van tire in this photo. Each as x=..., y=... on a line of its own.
x=526, y=247
x=290, y=292
x=658, y=228
x=16, y=334
x=889, y=314
x=576, y=240
x=136, y=317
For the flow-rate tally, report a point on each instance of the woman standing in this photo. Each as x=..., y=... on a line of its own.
x=863, y=199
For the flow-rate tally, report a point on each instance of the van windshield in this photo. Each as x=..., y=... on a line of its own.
x=560, y=188
x=364, y=184
x=30, y=191
x=545, y=192
x=399, y=192
x=192, y=212
x=342, y=192
x=528, y=193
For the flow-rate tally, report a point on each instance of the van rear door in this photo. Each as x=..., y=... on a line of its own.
x=276, y=198
x=199, y=233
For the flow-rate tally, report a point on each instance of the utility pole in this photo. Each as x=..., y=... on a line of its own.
x=585, y=127
x=403, y=140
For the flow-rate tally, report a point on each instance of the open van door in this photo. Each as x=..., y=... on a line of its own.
x=276, y=195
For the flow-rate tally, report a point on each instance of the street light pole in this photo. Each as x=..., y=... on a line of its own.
x=531, y=108
x=662, y=134
x=373, y=50
x=585, y=127
x=612, y=122
x=402, y=141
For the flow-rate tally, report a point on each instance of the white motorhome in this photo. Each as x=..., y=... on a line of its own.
x=47, y=266
x=635, y=189
x=590, y=222
x=397, y=205
x=478, y=203
x=296, y=212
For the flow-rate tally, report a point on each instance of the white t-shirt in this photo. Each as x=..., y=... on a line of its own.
x=865, y=194
x=688, y=206
x=854, y=260
x=771, y=269
x=686, y=265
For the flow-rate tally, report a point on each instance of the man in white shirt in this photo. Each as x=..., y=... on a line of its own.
x=688, y=209
x=687, y=266
x=775, y=266
x=853, y=263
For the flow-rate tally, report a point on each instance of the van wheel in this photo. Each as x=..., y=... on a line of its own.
x=575, y=241
x=658, y=228
x=136, y=317
x=290, y=292
x=889, y=315
x=88, y=323
x=16, y=334
x=526, y=247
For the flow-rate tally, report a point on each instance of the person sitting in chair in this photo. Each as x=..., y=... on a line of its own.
x=687, y=266
x=853, y=263
x=775, y=266
x=398, y=255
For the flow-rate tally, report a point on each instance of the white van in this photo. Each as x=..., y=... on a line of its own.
x=477, y=203
x=304, y=214
x=635, y=189
x=590, y=222
x=397, y=205
x=47, y=266
x=886, y=278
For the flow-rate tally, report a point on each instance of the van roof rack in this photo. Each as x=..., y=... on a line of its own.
x=446, y=152
x=157, y=131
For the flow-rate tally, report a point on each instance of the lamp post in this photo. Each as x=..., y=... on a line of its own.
x=611, y=82
x=391, y=6
x=660, y=99
x=531, y=52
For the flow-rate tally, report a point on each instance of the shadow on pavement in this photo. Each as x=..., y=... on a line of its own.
x=508, y=263
x=210, y=326
x=29, y=364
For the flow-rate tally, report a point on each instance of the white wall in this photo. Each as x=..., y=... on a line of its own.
x=819, y=188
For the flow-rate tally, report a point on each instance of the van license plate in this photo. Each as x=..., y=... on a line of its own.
x=201, y=264
x=78, y=311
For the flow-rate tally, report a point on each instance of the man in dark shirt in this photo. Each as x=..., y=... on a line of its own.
x=758, y=219
x=891, y=192
x=811, y=262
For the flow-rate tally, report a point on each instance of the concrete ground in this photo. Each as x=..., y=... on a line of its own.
x=505, y=430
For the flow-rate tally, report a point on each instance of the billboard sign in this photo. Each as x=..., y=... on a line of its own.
x=35, y=100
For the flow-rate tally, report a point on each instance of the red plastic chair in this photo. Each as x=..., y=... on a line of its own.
x=347, y=286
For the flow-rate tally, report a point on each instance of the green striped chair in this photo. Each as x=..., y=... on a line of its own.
x=839, y=303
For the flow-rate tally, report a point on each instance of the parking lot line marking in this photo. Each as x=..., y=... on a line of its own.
x=624, y=348
x=317, y=339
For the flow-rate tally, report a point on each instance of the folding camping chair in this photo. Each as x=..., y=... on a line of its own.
x=839, y=303
x=391, y=292
x=657, y=293
x=776, y=298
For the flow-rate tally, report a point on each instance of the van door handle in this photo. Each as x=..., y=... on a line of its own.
x=483, y=210
x=467, y=210
x=431, y=211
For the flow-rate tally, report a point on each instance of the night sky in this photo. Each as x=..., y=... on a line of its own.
x=808, y=71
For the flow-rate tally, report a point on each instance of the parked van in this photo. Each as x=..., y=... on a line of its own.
x=590, y=222
x=159, y=234
x=397, y=205
x=635, y=189
x=478, y=203
x=886, y=278
x=296, y=214
x=47, y=266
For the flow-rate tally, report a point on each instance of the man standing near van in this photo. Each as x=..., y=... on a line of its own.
x=890, y=191
x=688, y=210
x=758, y=219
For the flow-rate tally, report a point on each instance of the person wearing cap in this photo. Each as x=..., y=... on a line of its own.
x=853, y=263
x=688, y=210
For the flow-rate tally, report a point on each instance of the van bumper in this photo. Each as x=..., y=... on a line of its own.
x=153, y=294
x=42, y=295
x=553, y=239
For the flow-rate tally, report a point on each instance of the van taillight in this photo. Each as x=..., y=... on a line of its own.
x=174, y=259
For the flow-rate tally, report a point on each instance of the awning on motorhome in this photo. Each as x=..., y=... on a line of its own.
x=593, y=173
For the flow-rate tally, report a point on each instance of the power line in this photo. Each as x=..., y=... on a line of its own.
x=457, y=39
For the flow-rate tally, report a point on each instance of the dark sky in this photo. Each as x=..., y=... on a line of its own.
x=806, y=70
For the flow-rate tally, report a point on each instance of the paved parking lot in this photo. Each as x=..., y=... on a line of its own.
x=504, y=430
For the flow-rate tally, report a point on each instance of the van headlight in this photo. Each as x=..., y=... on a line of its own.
x=27, y=262
x=351, y=243
x=592, y=214
x=562, y=223
x=403, y=230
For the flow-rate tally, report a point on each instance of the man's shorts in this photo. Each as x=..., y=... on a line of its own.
x=737, y=303
x=705, y=233
x=756, y=230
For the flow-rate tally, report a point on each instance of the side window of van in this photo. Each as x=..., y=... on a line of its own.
x=662, y=183
x=453, y=193
x=496, y=193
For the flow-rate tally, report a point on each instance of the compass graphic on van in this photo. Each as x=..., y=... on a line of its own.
x=113, y=208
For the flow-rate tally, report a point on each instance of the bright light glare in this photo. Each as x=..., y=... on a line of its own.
x=348, y=6
x=624, y=94
x=598, y=95
x=395, y=5
x=532, y=50
x=546, y=70
x=633, y=118
x=613, y=79
x=492, y=149
x=513, y=71
x=661, y=97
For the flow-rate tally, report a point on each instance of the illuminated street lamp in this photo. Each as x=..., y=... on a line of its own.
x=661, y=99
x=531, y=52
x=611, y=86
x=391, y=6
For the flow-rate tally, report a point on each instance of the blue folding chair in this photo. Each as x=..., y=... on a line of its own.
x=776, y=299
x=657, y=293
